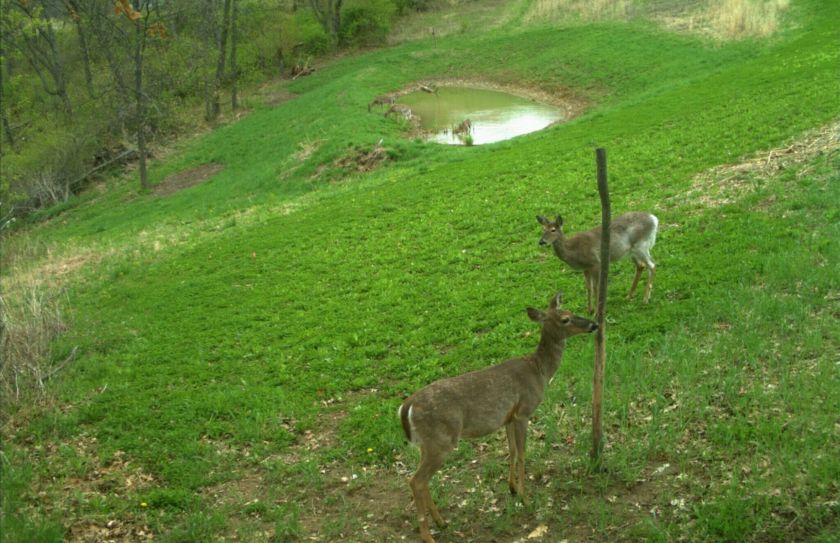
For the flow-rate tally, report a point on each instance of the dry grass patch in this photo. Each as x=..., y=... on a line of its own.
x=32, y=314
x=728, y=19
x=546, y=11
x=742, y=18
x=730, y=182
x=720, y=19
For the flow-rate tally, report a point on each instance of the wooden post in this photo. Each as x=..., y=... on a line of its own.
x=600, y=346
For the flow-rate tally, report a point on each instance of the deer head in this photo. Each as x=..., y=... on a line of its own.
x=559, y=322
x=552, y=231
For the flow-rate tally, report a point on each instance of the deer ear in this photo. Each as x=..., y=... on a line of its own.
x=541, y=219
x=556, y=301
x=536, y=315
x=559, y=220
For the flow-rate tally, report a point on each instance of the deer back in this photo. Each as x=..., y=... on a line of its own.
x=583, y=250
x=475, y=403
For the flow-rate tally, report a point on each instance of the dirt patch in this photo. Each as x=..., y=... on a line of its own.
x=112, y=530
x=277, y=97
x=187, y=178
x=116, y=478
x=729, y=183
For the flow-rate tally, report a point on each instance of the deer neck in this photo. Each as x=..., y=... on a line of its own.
x=559, y=246
x=549, y=353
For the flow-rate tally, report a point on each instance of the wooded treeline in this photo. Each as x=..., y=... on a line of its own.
x=87, y=84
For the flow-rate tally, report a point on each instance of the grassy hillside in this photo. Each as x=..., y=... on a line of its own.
x=245, y=342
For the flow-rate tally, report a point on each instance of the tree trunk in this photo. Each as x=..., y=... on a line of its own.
x=220, y=65
x=209, y=30
x=4, y=118
x=233, y=67
x=74, y=11
x=336, y=20
x=596, y=454
x=140, y=37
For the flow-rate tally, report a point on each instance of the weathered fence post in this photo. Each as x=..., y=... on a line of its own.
x=600, y=347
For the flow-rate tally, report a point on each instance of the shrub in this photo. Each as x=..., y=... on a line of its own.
x=47, y=173
x=368, y=24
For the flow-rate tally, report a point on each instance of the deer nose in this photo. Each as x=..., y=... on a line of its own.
x=542, y=242
x=593, y=326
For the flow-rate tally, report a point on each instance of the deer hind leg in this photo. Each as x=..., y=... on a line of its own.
x=520, y=431
x=513, y=458
x=430, y=461
x=639, y=268
x=651, y=268
x=651, y=273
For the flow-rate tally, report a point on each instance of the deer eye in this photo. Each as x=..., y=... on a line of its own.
x=565, y=320
x=554, y=230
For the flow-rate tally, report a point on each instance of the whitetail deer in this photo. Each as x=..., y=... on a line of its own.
x=477, y=403
x=384, y=100
x=402, y=109
x=464, y=128
x=632, y=233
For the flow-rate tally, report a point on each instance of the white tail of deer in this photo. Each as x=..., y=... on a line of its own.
x=632, y=233
x=477, y=403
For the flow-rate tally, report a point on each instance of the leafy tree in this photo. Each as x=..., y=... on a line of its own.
x=328, y=13
x=26, y=26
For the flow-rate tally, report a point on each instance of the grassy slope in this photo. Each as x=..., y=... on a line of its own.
x=240, y=339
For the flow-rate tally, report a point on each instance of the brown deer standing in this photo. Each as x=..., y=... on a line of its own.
x=401, y=109
x=477, y=403
x=384, y=100
x=632, y=233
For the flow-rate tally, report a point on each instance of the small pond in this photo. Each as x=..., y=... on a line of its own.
x=494, y=115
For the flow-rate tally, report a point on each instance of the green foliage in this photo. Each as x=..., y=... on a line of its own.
x=257, y=331
x=287, y=527
x=198, y=527
x=168, y=498
x=367, y=23
x=48, y=173
x=414, y=5
x=305, y=30
x=16, y=524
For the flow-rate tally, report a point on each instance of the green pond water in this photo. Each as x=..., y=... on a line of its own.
x=494, y=115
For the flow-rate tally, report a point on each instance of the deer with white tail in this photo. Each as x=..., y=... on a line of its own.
x=477, y=403
x=632, y=233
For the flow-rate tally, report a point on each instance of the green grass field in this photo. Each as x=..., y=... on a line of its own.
x=244, y=343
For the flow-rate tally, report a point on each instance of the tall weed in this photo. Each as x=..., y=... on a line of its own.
x=741, y=18
x=31, y=318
